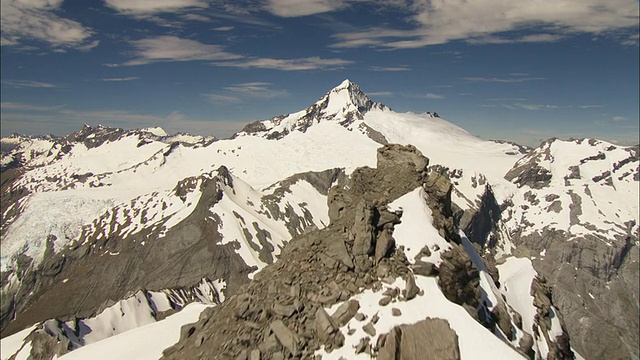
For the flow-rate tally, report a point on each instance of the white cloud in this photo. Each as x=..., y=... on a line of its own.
x=293, y=8
x=297, y=64
x=36, y=20
x=237, y=92
x=588, y=106
x=432, y=96
x=196, y=17
x=389, y=68
x=224, y=28
x=531, y=107
x=380, y=93
x=143, y=7
x=535, y=107
x=619, y=118
x=256, y=89
x=130, y=78
x=490, y=21
x=20, y=84
x=172, y=48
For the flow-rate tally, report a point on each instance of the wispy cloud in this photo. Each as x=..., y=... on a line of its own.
x=130, y=78
x=256, y=89
x=432, y=96
x=20, y=84
x=13, y=106
x=297, y=64
x=537, y=38
x=588, y=106
x=535, y=107
x=224, y=28
x=389, y=68
x=236, y=93
x=531, y=107
x=172, y=48
x=36, y=20
x=507, y=99
x=619, y=118
x=294, y=8
x=196, y=17
x=380, y=93
x=493, y=21
x=144, y=7
x=516, y=79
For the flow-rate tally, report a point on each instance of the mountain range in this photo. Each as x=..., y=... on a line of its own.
x=344, y=230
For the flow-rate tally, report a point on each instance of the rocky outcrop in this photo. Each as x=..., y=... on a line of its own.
x=459, y=279
x=595, y=286
x=428, y=339
x=316, y=270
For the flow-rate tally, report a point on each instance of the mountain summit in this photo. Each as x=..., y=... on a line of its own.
x=344, y=104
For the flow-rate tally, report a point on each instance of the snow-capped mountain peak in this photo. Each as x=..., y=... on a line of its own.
x=345, y=104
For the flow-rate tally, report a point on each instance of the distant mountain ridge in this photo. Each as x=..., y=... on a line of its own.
x=80, y=210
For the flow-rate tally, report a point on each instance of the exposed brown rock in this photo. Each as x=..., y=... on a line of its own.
x=429, y=339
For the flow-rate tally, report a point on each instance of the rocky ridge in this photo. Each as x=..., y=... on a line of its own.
x=282, y=313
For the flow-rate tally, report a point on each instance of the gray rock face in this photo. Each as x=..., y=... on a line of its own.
x=187, y=253
x=394, y=154
x=595, y=286
x=429, y=339
x=363, y=235
x=318, y=263
x=345, y=312
x=459, y=279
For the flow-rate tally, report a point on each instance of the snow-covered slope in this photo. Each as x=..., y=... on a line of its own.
x=120, y=193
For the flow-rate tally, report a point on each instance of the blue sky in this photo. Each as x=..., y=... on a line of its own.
x=515, y=70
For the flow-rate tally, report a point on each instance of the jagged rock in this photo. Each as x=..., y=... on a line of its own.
x=345, y=312
x=391, y=292
x=362, y=345
x=325, y=326
x=501, y=316
x=44, y=345
x=363, y=235
x=336, y=249
x=244, y=355
x=559, y=347
x=429, y=339
x=526, y=345
x=424, y=268
x=424, y=252
x=384, y=243
x=360, y=317
x=369, y=329
x=396, y=312
x=283, y=310
x=387, y=219
x=459, y=279
x=517, y=319
x=285, y=336
x=392, y=154
x=411, y=289
x=384, y=301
